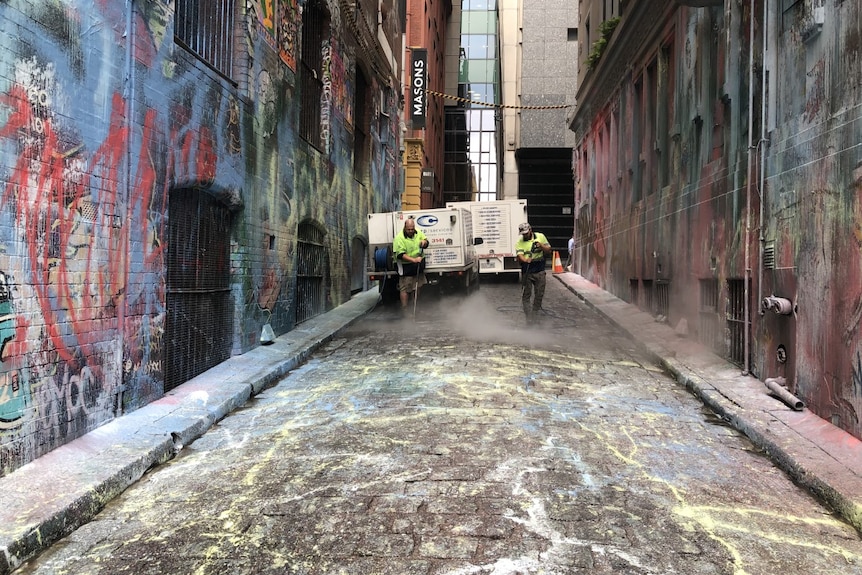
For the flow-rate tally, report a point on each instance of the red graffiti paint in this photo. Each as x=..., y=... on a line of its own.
x=78, y=227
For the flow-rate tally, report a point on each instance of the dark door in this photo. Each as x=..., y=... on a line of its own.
x=358, y=265
x=199, y=321
x=310, y=272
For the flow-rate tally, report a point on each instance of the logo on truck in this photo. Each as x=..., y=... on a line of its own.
x=427, y=221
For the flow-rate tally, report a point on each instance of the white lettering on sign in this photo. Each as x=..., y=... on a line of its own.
x=444, y=256
x=418, y=77
x=418, y=88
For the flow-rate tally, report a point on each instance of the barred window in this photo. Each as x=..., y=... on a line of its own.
x=361, y=128
x=206, y=29
x=315, y=30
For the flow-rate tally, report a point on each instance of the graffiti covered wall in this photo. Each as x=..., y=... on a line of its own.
x=102, y=118
x=687, y=177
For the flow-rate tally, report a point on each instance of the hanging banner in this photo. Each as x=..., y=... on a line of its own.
x=418, y=85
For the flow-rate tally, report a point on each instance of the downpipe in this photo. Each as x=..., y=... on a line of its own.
x=749, y=168
x=764, y=88
x=129, y=95
x=776, y=385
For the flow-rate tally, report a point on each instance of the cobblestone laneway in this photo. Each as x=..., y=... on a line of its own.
x=462, y=442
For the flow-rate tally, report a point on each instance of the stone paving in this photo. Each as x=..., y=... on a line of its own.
x=459, y=442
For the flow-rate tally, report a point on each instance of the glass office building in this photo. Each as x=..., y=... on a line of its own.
x=473, y=121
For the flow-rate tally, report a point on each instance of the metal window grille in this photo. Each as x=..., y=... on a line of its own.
x=310, y=272
x=710, y=331
x=633, y=291
x=736, y=320
x=648, y=296
x=205, y=28
x=662, y=298
x=314, y=29
x=769, y=255
x=361, y=127
x=199, y=319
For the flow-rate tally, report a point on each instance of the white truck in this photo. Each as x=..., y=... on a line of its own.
x=496, y=222
x=450, y=259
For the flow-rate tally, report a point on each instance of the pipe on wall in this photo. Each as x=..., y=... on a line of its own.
x=129, y=95
x=747, y=289
x=764, y=87
x=776, y=386
x=779, y=305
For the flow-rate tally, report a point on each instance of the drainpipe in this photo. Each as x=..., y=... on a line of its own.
x=761, y=185
x=747, y=364
x=776, y=385
x=129, y=116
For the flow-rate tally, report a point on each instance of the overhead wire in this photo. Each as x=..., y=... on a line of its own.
x=492, y=105
x=606, y=227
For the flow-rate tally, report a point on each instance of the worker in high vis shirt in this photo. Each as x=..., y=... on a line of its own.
x=407, y=249
x=531, y=248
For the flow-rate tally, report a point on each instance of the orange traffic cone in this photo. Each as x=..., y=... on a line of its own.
x=558, y=265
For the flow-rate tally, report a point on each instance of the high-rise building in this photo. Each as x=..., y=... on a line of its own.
x=546, y=83
x=473, y=127
x=511, y=76
x=425, y=66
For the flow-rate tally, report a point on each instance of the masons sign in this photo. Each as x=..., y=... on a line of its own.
x=418, y=80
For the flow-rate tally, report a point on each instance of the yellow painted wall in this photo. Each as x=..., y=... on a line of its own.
x=411, y=199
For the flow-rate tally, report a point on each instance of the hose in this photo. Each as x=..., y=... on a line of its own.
x=381, y=264
x=381, y=259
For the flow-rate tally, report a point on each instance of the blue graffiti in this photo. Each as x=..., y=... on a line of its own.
x=14, y=387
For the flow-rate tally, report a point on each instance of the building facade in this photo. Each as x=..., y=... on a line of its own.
x=173, y=177
x=541, y=145
x=473, y=126
x=426, y=41
x=718, y=181
x=511, y=77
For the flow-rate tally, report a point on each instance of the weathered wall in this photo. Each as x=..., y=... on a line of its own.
x=102, y=117
x=665, y=191
x=813, y=206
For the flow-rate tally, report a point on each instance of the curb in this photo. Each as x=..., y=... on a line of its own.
x=38, y=510
x=743, y=402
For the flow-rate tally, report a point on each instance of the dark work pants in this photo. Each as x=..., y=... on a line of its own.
x=532, y=286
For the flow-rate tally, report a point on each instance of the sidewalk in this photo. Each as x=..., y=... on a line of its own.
x=52, y=496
